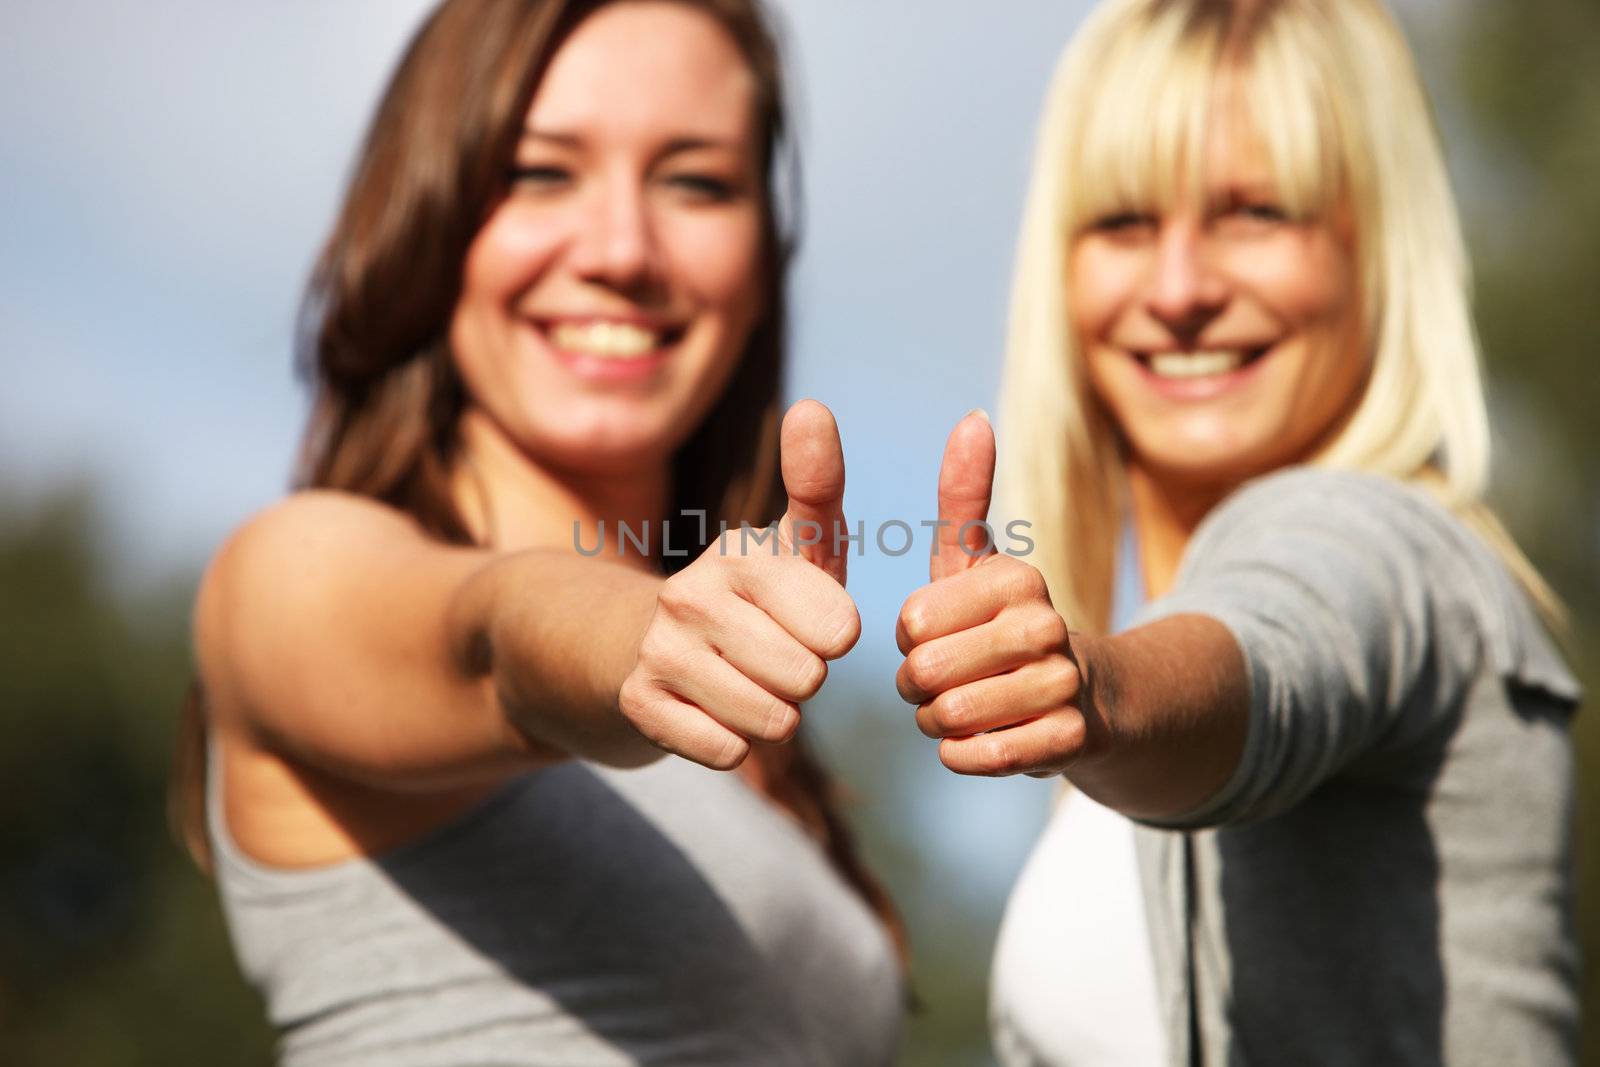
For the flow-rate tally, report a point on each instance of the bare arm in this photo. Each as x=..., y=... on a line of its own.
x=1173, y=700
x=1327, y=618
x=552, y=638
x=1150, y=722
x=338, y=633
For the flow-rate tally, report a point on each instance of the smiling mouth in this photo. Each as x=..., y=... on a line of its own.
x=611, y=340
x=1207, y=363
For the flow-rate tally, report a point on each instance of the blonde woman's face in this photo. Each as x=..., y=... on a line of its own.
x=606, y=300
x=1222, y=336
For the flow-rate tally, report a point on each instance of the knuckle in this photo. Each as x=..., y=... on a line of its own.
x=650, y=643
x=925, y=668
x=640, y=706
x=673, y=597
x=782, y=721
x=681, y=599
x=1019, y=580
x=844, y=630
x=1078, y=741
x=1077, y=732
x=1030, y=581
x=728, y=754
x=658, y=652
x=1056, y=679
x=630, y=697
x=954, y=712
x=1002, y=568
x=1043, y=631
x=1065, y=680
x=809, y=676
x=906, y=687
x=915, y=617
x=999, y=755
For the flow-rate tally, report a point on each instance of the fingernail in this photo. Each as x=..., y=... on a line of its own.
x=980, y=413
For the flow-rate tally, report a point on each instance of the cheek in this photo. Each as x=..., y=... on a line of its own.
x=1319, y=294
x=509, y=253
x=506, y=258
x=719, y=260
x=1100, y=283
x=1308, y=280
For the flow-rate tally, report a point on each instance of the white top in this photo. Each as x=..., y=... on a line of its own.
x=1074, y=979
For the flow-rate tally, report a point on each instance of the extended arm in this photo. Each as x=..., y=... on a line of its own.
x=1302, y=638
x=338, y=633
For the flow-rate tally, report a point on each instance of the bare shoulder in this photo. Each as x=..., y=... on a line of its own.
x=308, y=524
x=285, y=548
x=288, y=575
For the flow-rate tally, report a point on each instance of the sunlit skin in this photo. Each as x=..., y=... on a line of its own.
x=1232, y=272
x=1151, y=721
x=625, y=208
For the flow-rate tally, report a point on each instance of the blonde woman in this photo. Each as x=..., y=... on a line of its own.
x=1324, y=780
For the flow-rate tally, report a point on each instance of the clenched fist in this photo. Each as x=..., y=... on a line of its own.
x=988, y=661
x=742, y=635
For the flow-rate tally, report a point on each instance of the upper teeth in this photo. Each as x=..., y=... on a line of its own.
x=608, y=340
x=1194, y=364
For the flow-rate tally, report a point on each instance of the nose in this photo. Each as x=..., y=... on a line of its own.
x=615, y=245
x=1185, y=290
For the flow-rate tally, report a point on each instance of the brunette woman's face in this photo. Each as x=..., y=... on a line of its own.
x=1223, y=337
x=606, y=300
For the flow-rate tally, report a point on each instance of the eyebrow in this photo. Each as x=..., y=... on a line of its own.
x=677, y=144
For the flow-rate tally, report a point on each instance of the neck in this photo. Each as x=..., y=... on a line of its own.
x=510, y=501
x=1166, y=511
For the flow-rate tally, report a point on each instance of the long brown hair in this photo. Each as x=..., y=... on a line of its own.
x=386, y=399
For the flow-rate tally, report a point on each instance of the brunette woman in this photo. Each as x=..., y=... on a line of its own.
x=433, y=727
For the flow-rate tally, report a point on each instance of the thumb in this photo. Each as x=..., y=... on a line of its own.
x=966, y=482
x=813, y=475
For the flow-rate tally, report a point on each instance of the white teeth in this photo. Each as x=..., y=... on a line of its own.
x=607, y=340
x=1194, y=364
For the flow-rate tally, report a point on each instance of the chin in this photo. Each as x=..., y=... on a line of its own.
x=607, y=446
x=1208, y=459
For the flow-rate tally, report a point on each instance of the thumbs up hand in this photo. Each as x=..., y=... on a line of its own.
x=989, y=663
x=741, y=636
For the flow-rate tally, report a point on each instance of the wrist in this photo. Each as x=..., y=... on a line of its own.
x=1096, y=660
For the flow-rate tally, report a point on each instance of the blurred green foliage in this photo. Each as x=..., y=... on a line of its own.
x=1530, y=89
x=112, y=950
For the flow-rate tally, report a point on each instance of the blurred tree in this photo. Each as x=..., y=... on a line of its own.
x=1529, y=90
x=111, y=943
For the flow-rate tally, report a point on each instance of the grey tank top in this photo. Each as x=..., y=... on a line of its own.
x=578, y=916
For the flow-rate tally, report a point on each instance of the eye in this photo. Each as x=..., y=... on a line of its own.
x=539, y=176
x=1261, y=211
x=1122, y=222
x=707, y=188
x=1253, y=215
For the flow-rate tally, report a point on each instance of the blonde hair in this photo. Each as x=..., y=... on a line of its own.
x=1332, y=92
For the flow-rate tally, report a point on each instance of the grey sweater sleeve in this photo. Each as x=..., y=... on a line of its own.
x=1364, y=611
